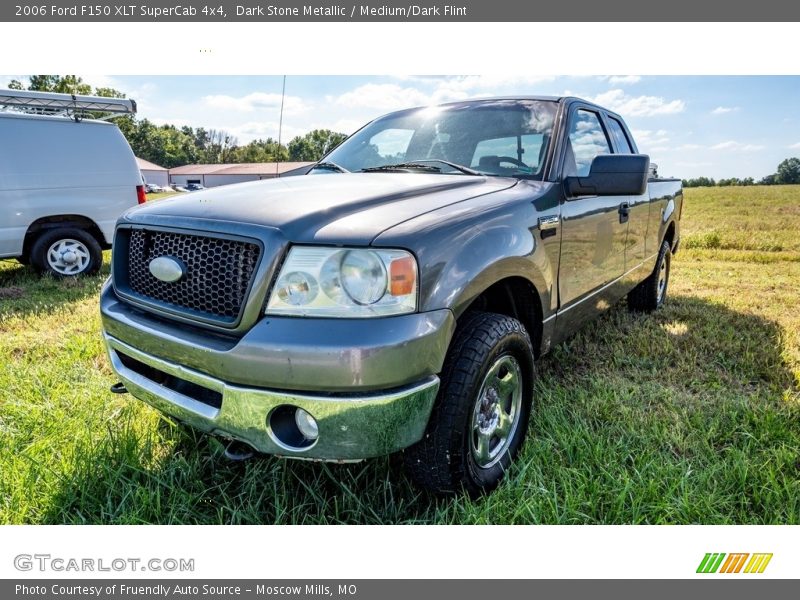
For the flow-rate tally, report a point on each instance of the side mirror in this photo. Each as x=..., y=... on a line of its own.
x=612, y=175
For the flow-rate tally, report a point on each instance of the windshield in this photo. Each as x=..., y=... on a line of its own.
x=493, y=137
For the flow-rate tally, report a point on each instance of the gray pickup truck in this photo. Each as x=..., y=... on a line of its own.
x=395, y=297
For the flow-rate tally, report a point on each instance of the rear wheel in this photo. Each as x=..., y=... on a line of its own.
x=481, y=414
x=652, y=292
x=67, y=252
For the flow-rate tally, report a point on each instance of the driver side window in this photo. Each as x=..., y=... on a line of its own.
x=587, y=139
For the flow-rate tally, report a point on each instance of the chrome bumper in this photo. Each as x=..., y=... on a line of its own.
x=350, y=428
x=310, y=356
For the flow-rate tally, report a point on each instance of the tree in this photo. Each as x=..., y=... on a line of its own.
x=220, y=146
x=314, y=145
x=768, y=180
x=267, y=150
x=699, y=182
x=61, y=84
x=788, y=171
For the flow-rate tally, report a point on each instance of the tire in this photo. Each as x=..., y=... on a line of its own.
x=66, y=252
x=652, y=292
x=463, y=447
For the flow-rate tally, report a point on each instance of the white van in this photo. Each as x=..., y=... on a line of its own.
x=64, y=180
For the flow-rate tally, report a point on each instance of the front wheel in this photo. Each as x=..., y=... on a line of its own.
x=481, y=414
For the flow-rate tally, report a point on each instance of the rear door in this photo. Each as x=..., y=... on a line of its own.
x=593, y=228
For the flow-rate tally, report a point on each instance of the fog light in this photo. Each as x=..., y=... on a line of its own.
x=306, y=424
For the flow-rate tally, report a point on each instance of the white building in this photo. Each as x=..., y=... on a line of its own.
x=152, y=173
x=214, y=175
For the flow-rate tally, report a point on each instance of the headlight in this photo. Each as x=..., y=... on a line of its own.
x=342, y=282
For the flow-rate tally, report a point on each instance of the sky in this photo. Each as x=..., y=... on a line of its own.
x=717, y=126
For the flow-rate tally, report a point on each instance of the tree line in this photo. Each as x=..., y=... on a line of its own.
x=171, y=146
x=788, y=172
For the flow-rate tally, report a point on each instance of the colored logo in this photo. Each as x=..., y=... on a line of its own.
x=719, y=562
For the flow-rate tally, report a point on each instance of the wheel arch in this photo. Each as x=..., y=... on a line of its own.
x=61, y=221
x=514, y=296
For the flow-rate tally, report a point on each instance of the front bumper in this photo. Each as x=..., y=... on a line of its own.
x=370, y=385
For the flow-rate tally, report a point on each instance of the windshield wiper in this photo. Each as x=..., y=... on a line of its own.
x=407, y=166
x=329, y=166
x=452, y=165
x=419, y=165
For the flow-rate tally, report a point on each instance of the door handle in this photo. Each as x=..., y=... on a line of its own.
x=548, y=225
x=624, y=212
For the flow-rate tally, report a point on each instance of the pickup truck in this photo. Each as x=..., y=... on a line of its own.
x=396, y=296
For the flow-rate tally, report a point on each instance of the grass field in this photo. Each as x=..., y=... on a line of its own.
x=690, y=415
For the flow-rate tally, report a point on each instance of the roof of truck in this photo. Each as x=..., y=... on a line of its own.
x=488, y=99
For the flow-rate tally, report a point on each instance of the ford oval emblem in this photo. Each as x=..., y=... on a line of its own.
x=167, y=268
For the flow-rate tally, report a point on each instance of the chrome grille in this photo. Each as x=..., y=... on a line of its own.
x=217, y=278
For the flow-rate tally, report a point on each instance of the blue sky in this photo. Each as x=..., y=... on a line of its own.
x=718, y=126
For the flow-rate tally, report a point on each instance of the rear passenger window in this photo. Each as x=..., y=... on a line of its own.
x=586, y=140
x=620, y=139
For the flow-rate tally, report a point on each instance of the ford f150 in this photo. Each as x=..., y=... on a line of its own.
x=397, y=296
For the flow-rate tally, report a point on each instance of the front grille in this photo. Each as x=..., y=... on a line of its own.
x=217, y=275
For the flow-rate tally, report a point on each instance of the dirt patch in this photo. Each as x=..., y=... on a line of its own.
x=12, y=292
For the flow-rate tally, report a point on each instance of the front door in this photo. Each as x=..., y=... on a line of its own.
x=593, y=230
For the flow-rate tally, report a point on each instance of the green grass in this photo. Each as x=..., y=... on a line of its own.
x=160, y=195
x=689, y=415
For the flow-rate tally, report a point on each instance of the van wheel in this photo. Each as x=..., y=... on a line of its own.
x=652, y=292
x=481, y=414
x=66, y=253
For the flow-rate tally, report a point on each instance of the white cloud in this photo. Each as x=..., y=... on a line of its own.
x=795, y=146
x=723, y=110
x=689, y=147
x=256, y=101
x=734, y=146
x=624, y=79
x=487, y=84
x=102, y=81
x=651, y=140
x=638, y=106
x=382, y=97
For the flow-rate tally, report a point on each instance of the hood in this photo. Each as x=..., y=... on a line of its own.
x=343, y=208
